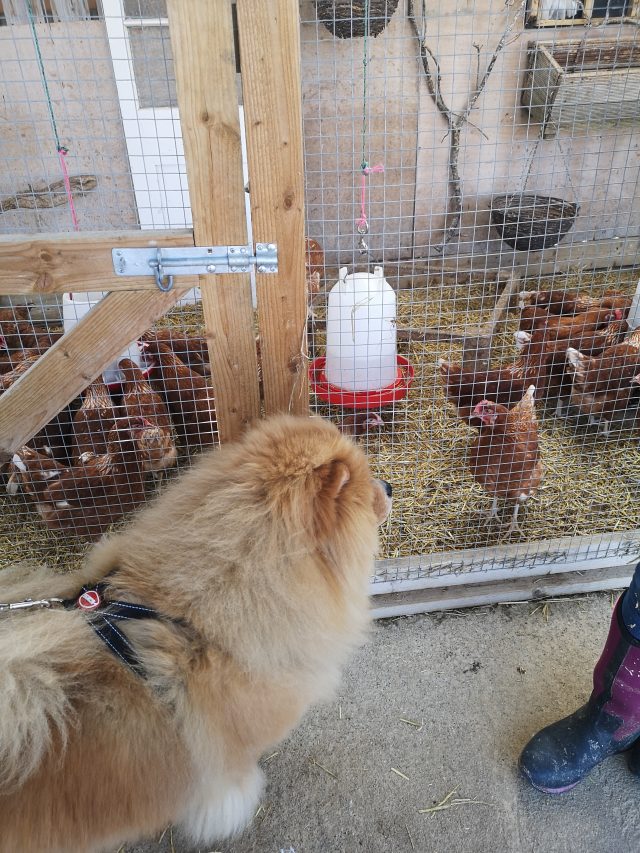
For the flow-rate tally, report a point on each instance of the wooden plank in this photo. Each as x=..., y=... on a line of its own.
x=75, y=360
x=270, y=63
x=78, y=263
x=607, y=254
x=509, y=590
x=205, y=69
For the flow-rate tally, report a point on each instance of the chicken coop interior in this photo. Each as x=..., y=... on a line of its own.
x=430, y=216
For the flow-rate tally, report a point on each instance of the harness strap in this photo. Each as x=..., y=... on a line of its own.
x=103, y=615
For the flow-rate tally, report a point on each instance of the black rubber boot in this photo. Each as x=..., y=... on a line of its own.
x=562, y=754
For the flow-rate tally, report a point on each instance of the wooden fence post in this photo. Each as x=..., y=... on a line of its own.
x=205, y=68
x=269, y=34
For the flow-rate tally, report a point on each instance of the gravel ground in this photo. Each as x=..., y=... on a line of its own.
x=474, y=686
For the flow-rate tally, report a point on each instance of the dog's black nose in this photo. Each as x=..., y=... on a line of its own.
x=387, y=488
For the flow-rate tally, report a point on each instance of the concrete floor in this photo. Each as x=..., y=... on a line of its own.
x=477, y=684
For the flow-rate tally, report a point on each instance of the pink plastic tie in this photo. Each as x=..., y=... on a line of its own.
x=62, y=153
x=362, y=224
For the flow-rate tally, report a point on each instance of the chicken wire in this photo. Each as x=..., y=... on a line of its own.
x=97, y=81
x=458, y=130
x=369, y=101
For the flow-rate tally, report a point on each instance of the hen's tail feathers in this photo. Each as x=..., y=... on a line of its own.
x=577, y=361
x=524, y=298
x=522, y=417
x=447, y=367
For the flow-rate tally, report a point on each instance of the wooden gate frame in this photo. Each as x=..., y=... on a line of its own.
x=202, y=41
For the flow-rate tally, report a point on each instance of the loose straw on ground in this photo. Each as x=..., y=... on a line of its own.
x=450, y=801
x=322, y=767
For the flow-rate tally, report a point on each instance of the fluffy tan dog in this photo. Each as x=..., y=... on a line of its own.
x=257, y=561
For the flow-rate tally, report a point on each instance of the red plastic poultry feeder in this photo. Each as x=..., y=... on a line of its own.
x=361, y=400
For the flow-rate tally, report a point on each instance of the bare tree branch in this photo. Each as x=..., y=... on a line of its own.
x=455, y=120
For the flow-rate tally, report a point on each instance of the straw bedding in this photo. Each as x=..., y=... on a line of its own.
x=591, y=485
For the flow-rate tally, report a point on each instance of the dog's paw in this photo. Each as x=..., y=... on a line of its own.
x=220, y=810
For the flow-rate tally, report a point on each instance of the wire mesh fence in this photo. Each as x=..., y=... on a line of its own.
x=115, y=446
x=497, y=132
x=472, y=155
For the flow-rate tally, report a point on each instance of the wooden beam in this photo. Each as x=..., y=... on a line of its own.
x=78, y=263
x=205, y=69
x=496, y=592
x=269, y=33
x=606, y=254
x=75, y=360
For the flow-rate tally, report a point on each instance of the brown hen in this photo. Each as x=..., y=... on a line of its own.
x=188, y=395
x=572, y=302
x=465, y=388
x=31, y=472
x=155, y=443
x=192, y=350
x=87, y=499
x=543, y=349
x=92, y=423
x=505, y=457
x=603, y=388
x=23, y=362
x=561, y=326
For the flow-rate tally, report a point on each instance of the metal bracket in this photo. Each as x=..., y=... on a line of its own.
x=164, y=264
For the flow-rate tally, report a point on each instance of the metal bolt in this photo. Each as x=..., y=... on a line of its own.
x=259, y=247
x=211, y=268
x=232, y=250
x=243, y=250
x=271, y=247
x=262, y=268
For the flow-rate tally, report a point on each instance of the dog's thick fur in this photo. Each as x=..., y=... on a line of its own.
x=264, y=550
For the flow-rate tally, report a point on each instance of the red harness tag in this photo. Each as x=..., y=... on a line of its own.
x=89, y=600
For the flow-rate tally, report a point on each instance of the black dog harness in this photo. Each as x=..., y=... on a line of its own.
x=104, y=614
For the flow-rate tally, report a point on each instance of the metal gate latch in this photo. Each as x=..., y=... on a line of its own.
x=164, y=264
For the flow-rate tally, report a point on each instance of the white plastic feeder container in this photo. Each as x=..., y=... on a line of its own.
x=361, y=332
x=74, y=307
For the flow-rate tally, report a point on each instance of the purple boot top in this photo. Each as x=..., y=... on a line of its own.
x=618, y=673
x=560, y=755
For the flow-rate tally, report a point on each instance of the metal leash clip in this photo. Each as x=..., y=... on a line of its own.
x=27, y=604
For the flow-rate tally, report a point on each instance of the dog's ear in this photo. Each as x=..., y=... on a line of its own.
x=331, y=478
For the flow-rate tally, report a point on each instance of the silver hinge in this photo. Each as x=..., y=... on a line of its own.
x=164, y=264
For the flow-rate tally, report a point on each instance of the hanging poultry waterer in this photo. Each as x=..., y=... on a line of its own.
x=362, y=368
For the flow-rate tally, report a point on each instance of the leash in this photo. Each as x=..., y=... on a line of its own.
x=103, y=615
